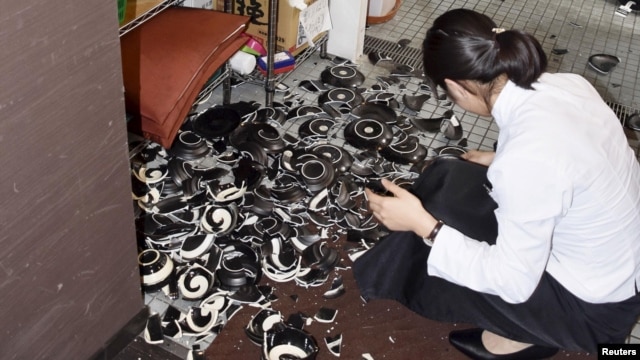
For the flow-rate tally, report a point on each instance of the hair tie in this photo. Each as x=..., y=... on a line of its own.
x=498, y=30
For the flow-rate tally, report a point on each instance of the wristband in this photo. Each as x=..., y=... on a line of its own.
x=432, y=236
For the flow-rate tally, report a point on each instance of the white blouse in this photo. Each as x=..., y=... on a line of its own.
x=567, y=186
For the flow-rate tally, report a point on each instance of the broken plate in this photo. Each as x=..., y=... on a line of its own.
x=450, y=151
x=153, y=330
x=376, y=110
x=260, y=323
x=603, y=63
x=334, y=344
x=286, y=342
x=319, y=127
x=450, y=126
x=326, y=315
x=415, y=102
x=633, y=122
x=304, y=111
x=194, y=282
x=406, y=151
x=376, y=56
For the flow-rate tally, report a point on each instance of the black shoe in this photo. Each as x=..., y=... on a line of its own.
x=469, y=342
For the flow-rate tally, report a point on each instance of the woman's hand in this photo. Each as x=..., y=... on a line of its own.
x=479, y=157
x=401, y=212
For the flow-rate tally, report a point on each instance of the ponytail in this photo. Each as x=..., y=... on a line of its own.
x=466, y=45
x=521, y=57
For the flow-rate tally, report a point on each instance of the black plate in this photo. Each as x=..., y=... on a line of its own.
x=339, y=157
x=319, y=127
x=368, y=134
x=342, y=76
x=341, y=96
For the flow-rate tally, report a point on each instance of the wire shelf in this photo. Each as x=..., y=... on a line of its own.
x=148, y=15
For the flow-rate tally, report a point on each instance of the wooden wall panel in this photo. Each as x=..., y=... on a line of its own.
x=68, y=272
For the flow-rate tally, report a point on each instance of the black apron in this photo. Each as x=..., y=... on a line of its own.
x=457, y=192
x=452, y=190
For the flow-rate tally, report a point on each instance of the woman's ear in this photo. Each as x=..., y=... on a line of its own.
x=456, y=90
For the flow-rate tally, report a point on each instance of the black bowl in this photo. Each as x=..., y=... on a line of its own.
x=261, y=322
x=317, y=174
x=189, y=146
x=216, y=122
x=287, y=342
x=603, y=63
x=156, y=269
x=377, y=111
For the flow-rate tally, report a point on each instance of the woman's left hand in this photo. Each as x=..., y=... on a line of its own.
x=401, y=212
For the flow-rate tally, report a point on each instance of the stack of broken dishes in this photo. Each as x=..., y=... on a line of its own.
x=240, y=198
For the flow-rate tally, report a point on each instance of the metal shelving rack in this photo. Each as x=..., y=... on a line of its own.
x=270, y=81
x=148, y=15
x=223, y=77
x=256, y=77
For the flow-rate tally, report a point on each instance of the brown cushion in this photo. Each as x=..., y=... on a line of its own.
x=167, y=60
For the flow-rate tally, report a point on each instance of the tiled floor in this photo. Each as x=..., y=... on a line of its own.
x=581, y=27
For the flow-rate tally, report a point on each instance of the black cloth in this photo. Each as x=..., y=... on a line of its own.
x=456, y=191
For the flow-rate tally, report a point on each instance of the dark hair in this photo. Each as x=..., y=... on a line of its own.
x=466, y=45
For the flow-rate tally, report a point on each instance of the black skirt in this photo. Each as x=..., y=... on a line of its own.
x=457, y=192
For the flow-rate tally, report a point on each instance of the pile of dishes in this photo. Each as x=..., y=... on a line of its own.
x=237, y=199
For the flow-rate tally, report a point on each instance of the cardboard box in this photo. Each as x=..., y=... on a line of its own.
x=290, y=36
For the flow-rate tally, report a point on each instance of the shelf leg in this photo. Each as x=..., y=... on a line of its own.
x=270, y=81
x=226, y=85
x=323, y=50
